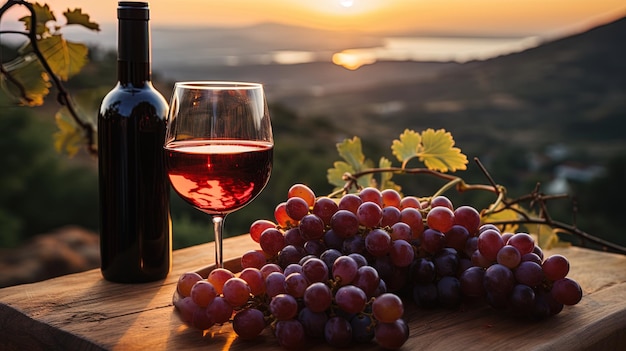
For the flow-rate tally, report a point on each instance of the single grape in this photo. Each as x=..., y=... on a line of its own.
x=359, y=259
x=401, y=253
x=290, y=254
x=391, y=197
x=284, y=307
x=275, y=284
x=468, y=217
x=255, y=280
x=533, y=257
x=253, y=258
x=248, y=323
x=367, y=279
x=218, y=277
x=325, y=208
x=257, y=227
x=296, y=284
x=201, y=320
x=302, y=191
x=292, y=268
x=471, y=281
x=344, y=270
x=498, y=280
x=432, y=240
x=362, y=328
x=236, y=292
x=186, y=308
x=555, y=267
x=329, y=256
x=387, y=308
x=566, y=291
x=378, y=242
x=332, y=240
x=457, y=237
x=440, y=218
x=349, y=202
x=290, y=334
x=294, y=237
x=509, y=256
x=344, y=223
x=272, y=241
x=391, y=336
x=186, y=281
x=311, y=227
x=318, y=297
x=369, y=214
x=441, y=201
x=219, y=310
x=296, y=208
x=203, y=293
x=371, y=194
x=338, y=332
x=315, y=247
x=529, y=273
x=489, y=243
x=413, y=217
x=410, y=201
x=523, y=242
x=390, y=216
x=315, y=270
x=401, y=231
x=281, y=216
x=350, y=299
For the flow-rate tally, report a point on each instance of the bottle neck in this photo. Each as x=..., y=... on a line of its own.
x=133, y=52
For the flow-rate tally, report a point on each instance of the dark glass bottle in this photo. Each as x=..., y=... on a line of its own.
x=135, y=222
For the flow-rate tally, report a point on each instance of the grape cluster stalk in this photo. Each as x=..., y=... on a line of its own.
x=341, y=269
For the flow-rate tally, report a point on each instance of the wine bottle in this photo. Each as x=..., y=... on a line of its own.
x=135, y=223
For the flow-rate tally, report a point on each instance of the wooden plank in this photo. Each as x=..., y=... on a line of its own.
x=83, y=311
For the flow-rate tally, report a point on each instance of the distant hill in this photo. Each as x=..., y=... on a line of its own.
x=570, y=91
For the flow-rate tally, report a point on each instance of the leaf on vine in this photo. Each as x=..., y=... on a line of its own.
x=335, y=174
x=352, y=152
x=34, y=83
x=502, y=216
x=385, y=177
x=43, y=14
x=407, y=147
x=438, y=152
x=65, y=58
x=77, y=16
x=69, y=138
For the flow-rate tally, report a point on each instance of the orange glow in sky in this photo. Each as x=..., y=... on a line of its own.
x=537, y=17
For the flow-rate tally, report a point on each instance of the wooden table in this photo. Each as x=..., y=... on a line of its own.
x=84, y=312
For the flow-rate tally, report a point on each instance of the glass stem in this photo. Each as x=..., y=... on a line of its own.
x=218, y=227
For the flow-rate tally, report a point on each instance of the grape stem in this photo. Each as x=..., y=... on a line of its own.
x=534, y=199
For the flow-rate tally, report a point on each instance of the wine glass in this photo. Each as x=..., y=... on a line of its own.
x=219, y=147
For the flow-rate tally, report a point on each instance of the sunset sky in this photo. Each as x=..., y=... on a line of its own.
x=525, y=17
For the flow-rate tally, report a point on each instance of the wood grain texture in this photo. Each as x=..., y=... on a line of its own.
x=84, y=312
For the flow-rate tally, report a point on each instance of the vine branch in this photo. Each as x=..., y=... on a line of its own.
x=63, y=97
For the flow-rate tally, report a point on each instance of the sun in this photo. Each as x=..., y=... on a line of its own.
x=346, y=3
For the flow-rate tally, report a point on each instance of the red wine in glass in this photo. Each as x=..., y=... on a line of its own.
x=219, y=176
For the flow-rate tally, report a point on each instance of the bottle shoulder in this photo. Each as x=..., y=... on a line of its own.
x=124, y=98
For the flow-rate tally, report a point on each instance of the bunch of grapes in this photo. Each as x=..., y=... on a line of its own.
x=341, y=303
x=339, y=269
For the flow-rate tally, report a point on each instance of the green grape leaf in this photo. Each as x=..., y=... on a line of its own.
x=65, y=58
x=407, y=147
x=385, y=177
x=34, y=83
x=77, y=16
x=438, y=152
x=352, y=152
x=43, y=14
x=69, y=138
x=335, y=174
